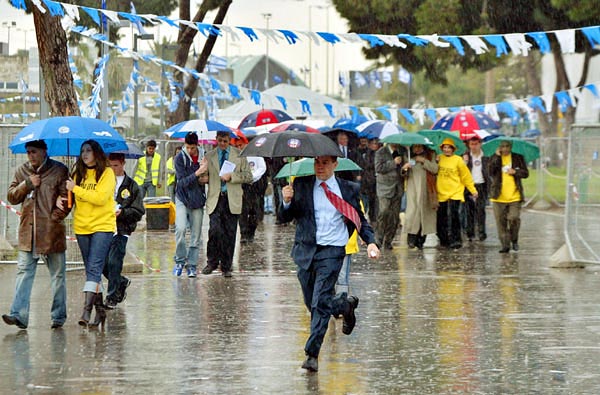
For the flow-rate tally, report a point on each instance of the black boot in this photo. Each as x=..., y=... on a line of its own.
x=87, y=308
x=100, y=316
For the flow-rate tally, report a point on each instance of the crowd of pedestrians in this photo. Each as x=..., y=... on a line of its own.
x=445, y=194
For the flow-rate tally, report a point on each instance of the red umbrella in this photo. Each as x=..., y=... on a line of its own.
x=466, y=122
x=264, y=117
x=293, y=126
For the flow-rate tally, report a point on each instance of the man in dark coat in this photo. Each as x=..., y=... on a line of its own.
x=507, y=169
x=475, y=208
x=322, y=233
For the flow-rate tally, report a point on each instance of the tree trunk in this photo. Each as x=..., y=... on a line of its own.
x=185, y=40
x=54, y=63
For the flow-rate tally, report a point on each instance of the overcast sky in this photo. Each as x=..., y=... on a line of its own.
x=284, y=14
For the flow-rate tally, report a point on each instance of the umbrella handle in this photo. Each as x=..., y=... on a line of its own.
x=69, y=199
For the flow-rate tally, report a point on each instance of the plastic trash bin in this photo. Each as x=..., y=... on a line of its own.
x=159, y=216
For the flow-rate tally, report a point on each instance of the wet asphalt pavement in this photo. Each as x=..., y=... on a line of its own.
x=432, y=322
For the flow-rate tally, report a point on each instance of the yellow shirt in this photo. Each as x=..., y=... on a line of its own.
x=94, y=203
x=509, y=192
x=452, y=178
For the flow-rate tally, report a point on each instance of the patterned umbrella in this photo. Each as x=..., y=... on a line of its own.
x=291, y=144
x=293, y=126
x=377, y=129
x=350, y=123
x=263, y=117
x=466, y=122
x=205, y=129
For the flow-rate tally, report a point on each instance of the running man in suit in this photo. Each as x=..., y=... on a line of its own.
x=322, y=233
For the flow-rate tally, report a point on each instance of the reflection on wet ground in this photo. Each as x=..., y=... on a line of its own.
x=429, y=322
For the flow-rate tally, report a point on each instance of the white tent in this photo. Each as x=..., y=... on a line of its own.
x=233, y=114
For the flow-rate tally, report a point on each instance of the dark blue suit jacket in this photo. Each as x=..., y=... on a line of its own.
x=303, y=211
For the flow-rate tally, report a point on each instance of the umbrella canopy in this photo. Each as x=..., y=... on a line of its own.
x=133, y=151
x=531, y=133
x=437, y=136
x=350, y=123
x=465, y=121
x=529, y=150
x=378, y=129
x=293, y=126
x=408, y=139
x=291, y=144
x=205, y=129
x=65, y=135
x=263, y=117
x=306, y=167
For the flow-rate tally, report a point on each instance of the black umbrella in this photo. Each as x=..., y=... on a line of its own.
x=291, y=144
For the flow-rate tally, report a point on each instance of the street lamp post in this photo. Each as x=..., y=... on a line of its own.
x=137, y=37
x=8, y=25
x=267, y=16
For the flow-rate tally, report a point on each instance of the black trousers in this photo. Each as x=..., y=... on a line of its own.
x=448, y=223
x=221, y=236
x=476, y=212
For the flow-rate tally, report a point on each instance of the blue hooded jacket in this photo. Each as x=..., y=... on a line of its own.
x=188, y=190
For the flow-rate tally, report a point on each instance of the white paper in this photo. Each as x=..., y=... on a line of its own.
x=228, y=167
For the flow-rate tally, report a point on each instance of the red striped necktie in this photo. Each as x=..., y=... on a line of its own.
x=342, y=206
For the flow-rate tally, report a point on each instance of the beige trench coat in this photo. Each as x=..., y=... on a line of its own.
x=419, y=209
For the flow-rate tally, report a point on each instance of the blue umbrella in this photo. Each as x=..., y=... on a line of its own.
x=378, y=129
x=133, y=151
x=65, y=135
x=205, y=129
x=349, y=123
x=531, y=133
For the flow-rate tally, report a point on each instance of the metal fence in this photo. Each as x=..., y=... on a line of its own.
x=9, y=216
x=582, y=209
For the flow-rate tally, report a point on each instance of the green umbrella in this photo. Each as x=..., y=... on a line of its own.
x=529, y=150
x=437, y=136
x=306, y=167
x=407, y=139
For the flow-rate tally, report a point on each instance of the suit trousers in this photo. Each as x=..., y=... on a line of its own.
x=476, y=212
x=318, y=285
x=221, y=235
x=388, y=219
x=508, y=222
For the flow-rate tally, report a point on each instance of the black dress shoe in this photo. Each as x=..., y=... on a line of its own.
x=349, y=317
x=389, y=246
x=515, y=246
x=56, y=325
x=504, y=250
x=311, y=364
x=207, y=270
x=227, y=273
x=10, y=320
x=482, y=237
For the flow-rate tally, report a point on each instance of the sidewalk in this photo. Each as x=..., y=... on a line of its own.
x=430, y=322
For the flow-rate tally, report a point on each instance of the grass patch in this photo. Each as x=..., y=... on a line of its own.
x=554, y=188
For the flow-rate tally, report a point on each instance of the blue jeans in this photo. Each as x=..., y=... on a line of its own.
x=183, y=217
x=114, y=265
x=147, y=189
x=94, y=249
x=26, y=267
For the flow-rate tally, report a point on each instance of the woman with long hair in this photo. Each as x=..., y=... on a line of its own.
x=421, y=196
x=94, y=222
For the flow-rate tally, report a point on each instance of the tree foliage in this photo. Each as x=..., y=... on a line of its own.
x=466, y=17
